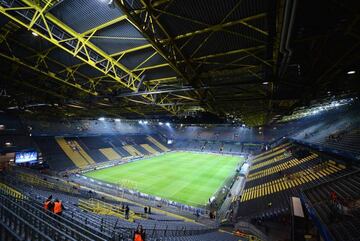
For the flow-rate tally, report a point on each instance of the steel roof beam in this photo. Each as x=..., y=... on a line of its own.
x=209, y=25
x=104, y=25
x=236, y=51
x=49, y=74
x=219, y=27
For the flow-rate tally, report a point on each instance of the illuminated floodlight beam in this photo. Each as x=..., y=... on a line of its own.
x=160, y=123
x=101, y=119
x=167, y=124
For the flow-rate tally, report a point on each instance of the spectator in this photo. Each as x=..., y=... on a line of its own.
x=333, y=196
x=149, y=210
x=48, y=204
x=139, y=234
x=145, y=209
x=58, y=207
x=127, y=211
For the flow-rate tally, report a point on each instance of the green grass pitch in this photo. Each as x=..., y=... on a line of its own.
x=185, y=177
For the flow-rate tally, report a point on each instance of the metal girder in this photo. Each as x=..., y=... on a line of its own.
x=42, y=58
x=222, y=26
x=154, y=31
x=145, y=24
x=52, y=75
x=104, y=25
x=208, y=25
x=36, y=18
x=236, y=51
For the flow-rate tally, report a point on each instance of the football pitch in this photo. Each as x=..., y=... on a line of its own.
x=185, y=177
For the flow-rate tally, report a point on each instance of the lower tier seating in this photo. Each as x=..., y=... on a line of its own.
x=25, y=212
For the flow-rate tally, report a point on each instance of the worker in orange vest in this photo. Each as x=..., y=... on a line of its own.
x=58, y=207
x=48, y=204
x=139, y=234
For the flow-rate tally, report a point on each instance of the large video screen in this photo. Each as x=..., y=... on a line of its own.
x=26, y=156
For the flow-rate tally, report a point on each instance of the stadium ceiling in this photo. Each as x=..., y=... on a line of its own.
x=253, y=60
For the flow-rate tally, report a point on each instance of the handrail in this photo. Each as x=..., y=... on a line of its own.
x=314, y=215
x=33, y=179
x=10, y=191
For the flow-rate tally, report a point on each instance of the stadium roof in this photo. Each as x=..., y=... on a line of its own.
x=250, y=60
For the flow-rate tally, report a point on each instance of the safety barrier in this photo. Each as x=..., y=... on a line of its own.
x=37, y=181
x=10, y=191
x=100, y=207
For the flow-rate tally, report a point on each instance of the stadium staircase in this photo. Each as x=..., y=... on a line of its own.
x=157, y=143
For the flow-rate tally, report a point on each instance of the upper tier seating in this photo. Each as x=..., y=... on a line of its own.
x=348, y=141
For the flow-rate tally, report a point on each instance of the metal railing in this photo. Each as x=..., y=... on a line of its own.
x=100, y=207
x=14, y=227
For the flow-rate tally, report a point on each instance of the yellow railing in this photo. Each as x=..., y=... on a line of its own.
x=11, y=191
x=103, y=208
x=37, y=181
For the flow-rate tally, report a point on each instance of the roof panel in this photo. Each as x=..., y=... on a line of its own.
x=82, y=15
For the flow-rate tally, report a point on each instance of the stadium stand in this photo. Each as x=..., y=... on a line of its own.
x=170, y=120
x=281, y=173
x=335, y=204
x=84, y=151
x=87, y=219
x=347, y=141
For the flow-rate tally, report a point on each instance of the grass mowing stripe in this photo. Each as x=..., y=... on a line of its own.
x=185, y=177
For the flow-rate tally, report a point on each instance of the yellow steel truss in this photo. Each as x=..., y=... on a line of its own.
x=35, y=18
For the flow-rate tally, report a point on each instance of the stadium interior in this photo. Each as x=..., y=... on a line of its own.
x=202, y=120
